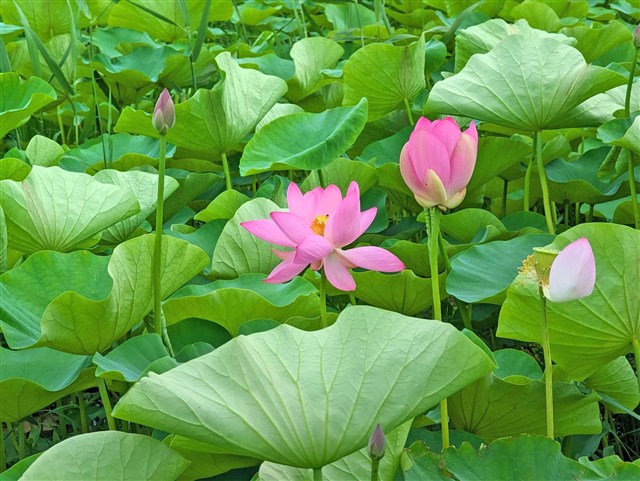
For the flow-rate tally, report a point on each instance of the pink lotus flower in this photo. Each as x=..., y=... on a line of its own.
x=573, y=273
x=317, y=227
x=636, y=37
x=164, y=113
x=437, y=162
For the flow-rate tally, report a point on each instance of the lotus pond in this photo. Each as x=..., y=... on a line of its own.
x=288, y=240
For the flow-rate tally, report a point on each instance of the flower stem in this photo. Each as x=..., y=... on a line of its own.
x=408, y=108
x=627, y=97
x=106, y=402
x=84, y=425
x=3, y=455
x=632, y=190
x=317, y=474
x=636, y=355
x=375, y=464
x=323, y=298
x=505, y=193
x=434, y=237
x=21, y=440
x=537, y=139
x=548, y=368
x=157, y=251
x=527, y=186
x=227, y=172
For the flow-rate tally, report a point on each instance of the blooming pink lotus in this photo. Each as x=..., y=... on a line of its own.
x=164, y=113
x=437, y=162
x=318, y=225
x=573, y=273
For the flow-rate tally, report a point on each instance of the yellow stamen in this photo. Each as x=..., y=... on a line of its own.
x=319, y=224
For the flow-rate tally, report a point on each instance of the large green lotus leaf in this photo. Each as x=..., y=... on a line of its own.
x=354, y=467
x=483, y=272
x=620, y=211
x=349, y=16
x=403, y=292
x=224, y=206
x=590, y=332
x=310, y=56
x=538, y=15
x=342, y=172
x=386, y=75
x=108, y=455
x=129, y=15
x=298, y=398
x=81, y=305
x=214, y=121
x=138, y=68
x=527, y=82
x=43, y=151
x=483, y=37
x=616, y=379
x=597, y=39
x=21, y=99
x=277, y=111
x=237, y=251
x=59, y=210
x=623, y=133
x=134, y=358
x=495, y=155
x=494, y=407
x=231, y=303
x=605, y=104
x=203, y=462
x=304, y=141
x=578, y=181
x=523, y=458
x=14, y=169
x=47, y=18
x=512, y=362
x=145, y=188
x=465, y=224
x=31, y=380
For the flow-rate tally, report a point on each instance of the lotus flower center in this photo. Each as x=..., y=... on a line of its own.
x=319, y=223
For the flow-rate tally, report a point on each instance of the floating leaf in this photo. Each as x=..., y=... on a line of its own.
x=293, y=413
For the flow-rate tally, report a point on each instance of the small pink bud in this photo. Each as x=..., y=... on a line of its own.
x=164, y=114
x=636, y=37
x=377, y=444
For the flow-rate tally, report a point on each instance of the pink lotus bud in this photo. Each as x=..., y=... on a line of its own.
x=636, y=37
x=573, y=273
x=164, y=114
x=377, y=443
x=437, y=162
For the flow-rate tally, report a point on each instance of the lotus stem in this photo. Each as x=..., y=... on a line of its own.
x=3, y=452
x=636, y=355
x=632, y=190
x=21, y=440
x=375, y=465
x=434, y=236
x=106, y=402
x=317, y=474
x=227, y=173
x=62, y=423
x=505, y=192
x=323, y=298
x=548, y=368
x=157, y=251
x=537, y=140
x=527, y=185
x=627, y=97
x=84, y=425
x=409, y=114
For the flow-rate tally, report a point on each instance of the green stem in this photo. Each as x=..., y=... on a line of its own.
x=106, y=402
x=505, y=192
x=317, y=474
x=627, y=98
x=408, y=108
x=543, y=182
x=375, y=464
x=157, y=251
x=527, y=186
x=61, y=419
x=636, y=355
x=323, y=184
x=21, y=440
x=352, y=300
x=323, y=298
x=576, y=219
x=434, y=236
x=84, y=424
x=227, y=173
x=548, y=368
x=3, y=452
x=590, y=214
x=566, y=215
x=632, y=189
x=443, y=251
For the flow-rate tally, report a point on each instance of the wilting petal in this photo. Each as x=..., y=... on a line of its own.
x=286, y=270
x=436, y=189
x=463, y=161
x=267, y=230
x=312, y=249
x=373, y=258
x=448, y=132
x=291, y=225
x=344, y=225
x=337, y=273
x=428, y=152
x=573, y=272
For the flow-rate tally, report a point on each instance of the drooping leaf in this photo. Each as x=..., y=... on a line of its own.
x=597, y=39
x=310, y=56
x=308, y=406
x=590, y=332
x=617, y=380
x=623, y=133
x=305, y=141
x=43, y=151
x=223, y=206
x=21, y=99
x=59, y=210
x=107, y=455
x=386, y=75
